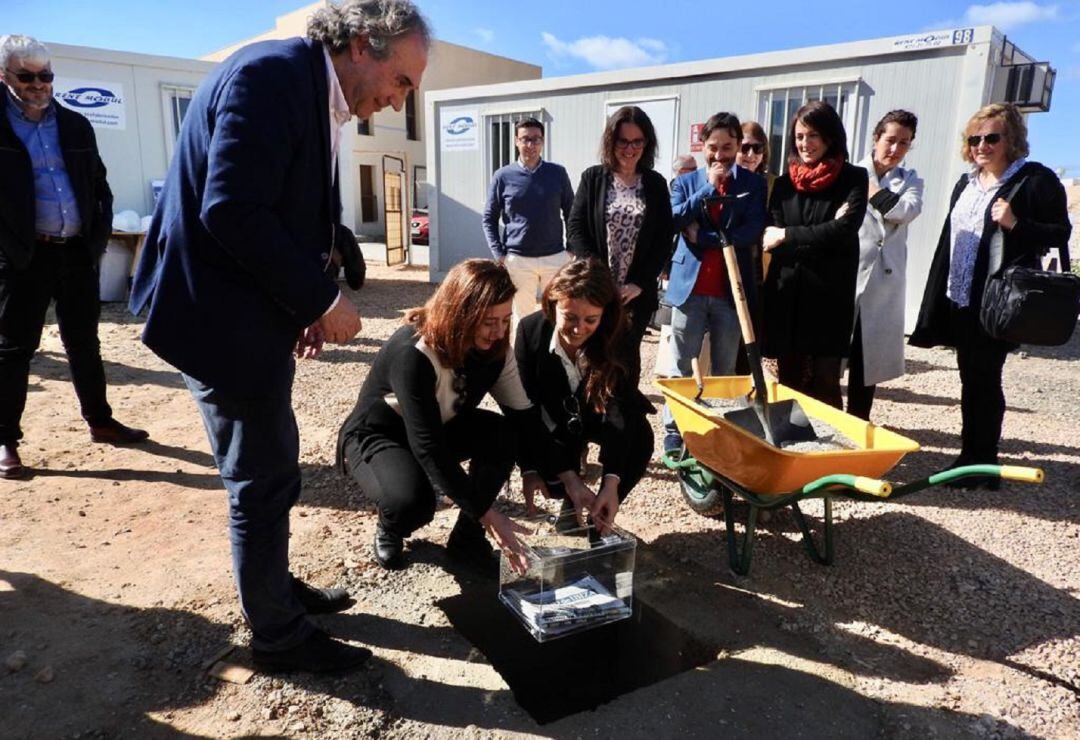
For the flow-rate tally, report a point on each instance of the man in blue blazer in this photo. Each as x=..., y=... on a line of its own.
x=232, y=279
x=698, y=288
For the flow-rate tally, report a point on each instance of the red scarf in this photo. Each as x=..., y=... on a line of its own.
x=814, y=179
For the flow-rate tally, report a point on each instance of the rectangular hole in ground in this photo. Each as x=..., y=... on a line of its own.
x=580, y=672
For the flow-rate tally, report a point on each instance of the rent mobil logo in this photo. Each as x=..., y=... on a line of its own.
x=89, y=97
x=460, y=125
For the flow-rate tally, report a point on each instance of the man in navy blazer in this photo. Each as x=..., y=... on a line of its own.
x=232, y=279
x=698, y=288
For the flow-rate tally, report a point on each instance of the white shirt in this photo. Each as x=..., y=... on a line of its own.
x=574, y=370
x=339, y=116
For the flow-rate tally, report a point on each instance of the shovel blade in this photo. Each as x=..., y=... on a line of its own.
x=777, y=423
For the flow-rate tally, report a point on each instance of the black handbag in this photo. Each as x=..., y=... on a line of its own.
x=1023, y=305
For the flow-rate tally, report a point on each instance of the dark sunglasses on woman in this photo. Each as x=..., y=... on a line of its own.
x=27, y=77
x=990, y=139
x=458, y=385
x=755, y=148
x=574, y=425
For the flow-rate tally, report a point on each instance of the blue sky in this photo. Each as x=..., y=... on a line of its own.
x=574, y=36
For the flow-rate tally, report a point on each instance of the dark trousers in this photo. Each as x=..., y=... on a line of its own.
x=68, y=273
x=395, y=481
x=630, y=346
x=860, y=397
x=256, y=446
x=816, y=376
x=980, y=360
x=629, y=436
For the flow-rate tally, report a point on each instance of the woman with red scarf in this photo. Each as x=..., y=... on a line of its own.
x=809, y=291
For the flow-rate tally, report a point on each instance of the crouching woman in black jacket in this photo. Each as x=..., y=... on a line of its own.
x=568, y=356
x=417, y=419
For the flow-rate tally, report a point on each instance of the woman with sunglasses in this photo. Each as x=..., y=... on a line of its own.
x=895, y=200
x=809, y=291
x=417, y=419
x=622, y=215
x=567, y=357
x=1027, y=203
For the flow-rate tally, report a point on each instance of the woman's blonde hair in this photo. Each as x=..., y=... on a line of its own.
x=1012, y=121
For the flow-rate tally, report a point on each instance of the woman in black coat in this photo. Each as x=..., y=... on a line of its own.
x=809, y=292
x=566, y=355
x=1035, y=220
x=622, y=216
x=417, y=420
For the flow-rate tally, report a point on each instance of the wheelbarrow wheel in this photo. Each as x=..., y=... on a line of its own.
x=701, y=493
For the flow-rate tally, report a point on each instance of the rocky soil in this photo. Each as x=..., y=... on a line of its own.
x=949, y=613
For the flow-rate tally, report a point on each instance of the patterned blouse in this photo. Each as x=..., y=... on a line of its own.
x=624, y=212
x=966, y=223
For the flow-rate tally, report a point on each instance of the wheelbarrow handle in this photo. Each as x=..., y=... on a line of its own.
x=1023, y=474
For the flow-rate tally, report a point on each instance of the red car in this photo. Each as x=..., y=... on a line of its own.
x=420, y=226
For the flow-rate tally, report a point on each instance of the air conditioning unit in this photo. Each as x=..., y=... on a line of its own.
x=1027, y=84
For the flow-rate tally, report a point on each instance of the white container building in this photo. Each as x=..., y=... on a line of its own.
x=942, y=76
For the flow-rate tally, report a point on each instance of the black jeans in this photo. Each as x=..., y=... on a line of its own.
x=816, y=376
x=630, y=345
x=68, y=273
x=980, y=360
x=860, y=397
x=395, y=481
x=630, y=436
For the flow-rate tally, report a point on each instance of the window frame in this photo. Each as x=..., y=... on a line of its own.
x=172, y=117
x=848, y=91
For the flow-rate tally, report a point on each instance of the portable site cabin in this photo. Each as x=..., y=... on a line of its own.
x=942, y=76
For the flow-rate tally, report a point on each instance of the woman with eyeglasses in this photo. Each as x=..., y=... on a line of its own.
x=622, y=216
x=1026, y=202
x=417, y=419
x=809, y=291
x=567, y=356
x=895, y=200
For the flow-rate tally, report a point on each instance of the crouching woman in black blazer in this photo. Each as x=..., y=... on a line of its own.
x=417, y=419
x=570, y=366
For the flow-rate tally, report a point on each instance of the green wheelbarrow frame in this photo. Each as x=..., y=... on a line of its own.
x=699, y=481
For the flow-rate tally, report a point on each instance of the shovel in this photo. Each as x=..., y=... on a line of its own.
x=778, y=423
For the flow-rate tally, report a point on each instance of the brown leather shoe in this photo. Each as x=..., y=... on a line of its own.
x=10, y=465
x=114, y=433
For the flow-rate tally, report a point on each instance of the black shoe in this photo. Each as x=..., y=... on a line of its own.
x=11, y=466
x=321, y=600
x=319, y=653
x=972, y=482
x=114, y=433
x=389, y=549
x=469, y=545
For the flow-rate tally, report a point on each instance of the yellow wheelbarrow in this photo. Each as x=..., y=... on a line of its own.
x=720, y=460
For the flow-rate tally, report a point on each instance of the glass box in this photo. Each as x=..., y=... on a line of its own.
x=576, y=579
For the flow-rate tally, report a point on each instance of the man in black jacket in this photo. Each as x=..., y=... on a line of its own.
x=55, y=217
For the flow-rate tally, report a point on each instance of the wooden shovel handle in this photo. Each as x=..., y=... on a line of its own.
x=739, y=294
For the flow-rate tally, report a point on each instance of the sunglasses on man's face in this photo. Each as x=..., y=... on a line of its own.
x=755, y=148
x=27, y=77
x=990, y=139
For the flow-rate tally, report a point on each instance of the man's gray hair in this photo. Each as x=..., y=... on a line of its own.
x=380, y=21
x=16, y=47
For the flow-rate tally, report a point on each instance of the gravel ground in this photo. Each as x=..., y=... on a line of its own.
x=947, y=613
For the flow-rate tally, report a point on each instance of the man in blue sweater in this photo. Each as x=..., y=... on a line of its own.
x=528, y=195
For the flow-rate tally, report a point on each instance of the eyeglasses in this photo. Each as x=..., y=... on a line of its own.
x=531, y=140
x=990, y=139
x=574, y=425
x=755, y=148
x=458, y=385
x=630, y=143
x=27, y=77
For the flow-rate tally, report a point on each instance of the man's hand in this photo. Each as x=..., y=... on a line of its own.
x=773, y=238
x=629, y=292
x=505, y=531
x=341, y=324
x=310, y=342
x=717, y=173
x=532, y=484
x=606, y=506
